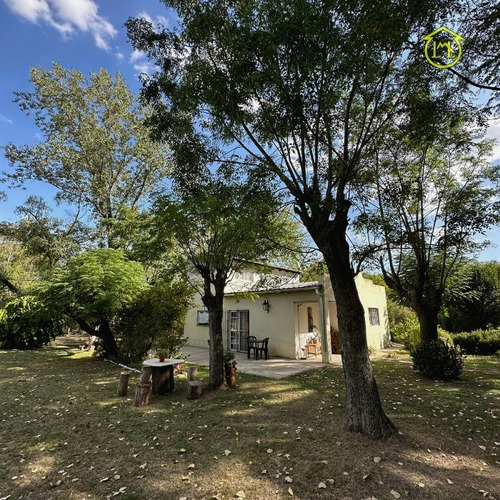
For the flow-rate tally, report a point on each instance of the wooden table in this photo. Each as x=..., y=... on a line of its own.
x=162, y=374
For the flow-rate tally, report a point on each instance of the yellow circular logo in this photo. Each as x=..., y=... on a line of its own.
x=442, y=48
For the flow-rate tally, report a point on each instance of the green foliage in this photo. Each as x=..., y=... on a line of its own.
x=48, y=241
x=155, y=319
x=95, y=151
x=472, y=299
x=17, y=270
x=313, y=271
x=96, y=285
x=437, y=360
x=480, y=342
x=26, y=323
x=407, y=332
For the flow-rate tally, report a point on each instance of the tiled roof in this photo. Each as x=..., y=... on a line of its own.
x=286, y=287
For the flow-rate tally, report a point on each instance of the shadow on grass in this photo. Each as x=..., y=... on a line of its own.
x=65, y=434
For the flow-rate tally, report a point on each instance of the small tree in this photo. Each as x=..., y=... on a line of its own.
x=93, y=288
x=433, y=198
x=214, y=224
x=155, y=319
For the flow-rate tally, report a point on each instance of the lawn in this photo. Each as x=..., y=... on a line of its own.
x=66, y=435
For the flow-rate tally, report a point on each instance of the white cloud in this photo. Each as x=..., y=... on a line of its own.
x=494, y=133
x=157, y=20
x=145, y=67
x=141, y=64
x=67, y=17
x=137, y=55
x=5, y=119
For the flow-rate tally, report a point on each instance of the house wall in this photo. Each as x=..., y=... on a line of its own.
x=280, y=324
x=286, y=318
x=371, y=296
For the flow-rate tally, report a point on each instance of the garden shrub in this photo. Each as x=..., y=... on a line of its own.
x=25, y=323
x=154, y=320
x=437, y=360
x=481, y=342
x=407, y=332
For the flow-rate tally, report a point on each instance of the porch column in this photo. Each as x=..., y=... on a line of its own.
x=326, y=347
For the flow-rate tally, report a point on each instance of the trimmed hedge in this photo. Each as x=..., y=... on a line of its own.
x=481, y=342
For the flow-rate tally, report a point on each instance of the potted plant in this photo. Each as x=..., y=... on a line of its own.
x=162, y=354
x=230, y=369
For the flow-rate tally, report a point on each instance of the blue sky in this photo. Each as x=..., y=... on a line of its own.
x=79, y=34
x=85, y=35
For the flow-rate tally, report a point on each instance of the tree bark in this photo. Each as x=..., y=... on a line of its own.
x=142, y=392
x=194, y=389
x=364, y=408
x=427, y=316
x=191, y=373
x=163, y=379
x=108, y=339
x=123, y=383
x=214, y=302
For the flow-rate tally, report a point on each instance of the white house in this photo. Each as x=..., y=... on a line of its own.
x=287, y=311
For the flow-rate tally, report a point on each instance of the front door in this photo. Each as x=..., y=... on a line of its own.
x=238, y=330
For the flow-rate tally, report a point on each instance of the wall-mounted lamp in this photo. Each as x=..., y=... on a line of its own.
x=265, y=305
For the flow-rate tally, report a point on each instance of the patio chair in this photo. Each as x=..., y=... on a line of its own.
x=252, y=345
x=263, y=349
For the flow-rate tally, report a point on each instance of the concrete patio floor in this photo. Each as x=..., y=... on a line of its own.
x=272, y=368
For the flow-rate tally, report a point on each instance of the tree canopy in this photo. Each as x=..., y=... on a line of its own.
x=434, y=198
x=299, y=91
x=219, y=225
x=95, y=149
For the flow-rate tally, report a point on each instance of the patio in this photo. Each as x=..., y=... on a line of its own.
x=272, y=368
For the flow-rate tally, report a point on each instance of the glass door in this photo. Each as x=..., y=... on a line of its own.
x=238, y=330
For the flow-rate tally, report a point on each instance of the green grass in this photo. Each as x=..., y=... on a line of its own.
x=65, y=435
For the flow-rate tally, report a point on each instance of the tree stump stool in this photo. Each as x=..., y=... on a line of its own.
x=142, y=392
x=194, y=389
x=123, y=383
x=143, y=388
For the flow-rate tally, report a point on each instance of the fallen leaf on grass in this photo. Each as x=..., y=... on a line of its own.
x=377, y=459
x=290, y=492
x=395, y=494
x=191, y=466
x=269, y=450
x=227, y=452
x=449, y=481
x=288, y=479
x=240, y=494
x=322, y=485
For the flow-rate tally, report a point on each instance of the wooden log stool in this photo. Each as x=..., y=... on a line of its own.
x=143, y=388
x=123, y=383
x=194, y=387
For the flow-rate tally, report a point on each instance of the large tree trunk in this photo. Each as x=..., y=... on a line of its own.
x=108, y=340
x=428, y=318
x=214, y=303
x=364, y=408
